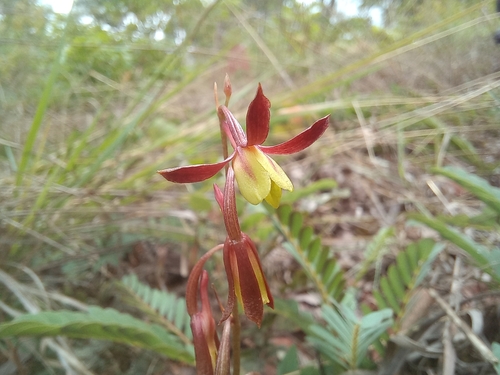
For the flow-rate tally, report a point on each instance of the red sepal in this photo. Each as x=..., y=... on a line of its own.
x=205, y=340
x=300, y=141
x=193, y=173
x=258, y=117
x=229, y=211
x=250, y=292
x=193, y=281
x=253, y=248
x=202, y=353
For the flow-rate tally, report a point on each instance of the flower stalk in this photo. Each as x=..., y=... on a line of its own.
x=258, y=178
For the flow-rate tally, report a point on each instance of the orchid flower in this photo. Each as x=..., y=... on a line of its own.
x=259, y=177
x=206, y=342
x=246, y=280
x=212, y=355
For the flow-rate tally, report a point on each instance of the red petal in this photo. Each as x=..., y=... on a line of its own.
x=205, y=302
x=301, y=141
x=205, y=338
x=250, y=292
x=193, y=173
x=229, y=210
x=193, y=281
x=258, y=117
x=201, y=351
x=253, y=249
x=229, y=122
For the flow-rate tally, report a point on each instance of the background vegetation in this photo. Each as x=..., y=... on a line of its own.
x=392, y=231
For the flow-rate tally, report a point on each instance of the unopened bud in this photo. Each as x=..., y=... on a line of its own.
x=227, y=89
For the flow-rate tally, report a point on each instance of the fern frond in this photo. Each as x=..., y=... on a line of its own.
x=289, y=310
x=320, y=266
x=374, y=252
x=166, y=308
x=411, y=266
x=346, y=338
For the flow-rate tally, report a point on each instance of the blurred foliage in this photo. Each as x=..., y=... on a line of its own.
x=487, y=255
x=94, y=102
x=408, y=14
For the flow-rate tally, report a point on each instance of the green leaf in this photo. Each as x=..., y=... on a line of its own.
x=326, y=368
x=289, y=363
x=289, y=309
x=252, y=220
x=389, y=295
x=296, y=222
x=102, y=324
x=396, y=282
x=165, y=308
x=381, y=303
x=429, y=251
x=343, y=325
x=412, y=255
x=284, y=212
x=336, y=287
x=314, y=187
x=478, y=252
x=375, y=250
x=495, y=348
x=373, y=326
x=305, y=237
x=467, y=149
x=476, y=185
x=494, y=260
x=346, y=338
x=404, y=267
x=316, y=259
x=320, y=261
x=411, y=266
x=329, y=272
x=488, y=219
x=314, y=248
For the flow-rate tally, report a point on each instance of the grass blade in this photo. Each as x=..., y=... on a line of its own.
x=41, y=108
x=476, y=185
